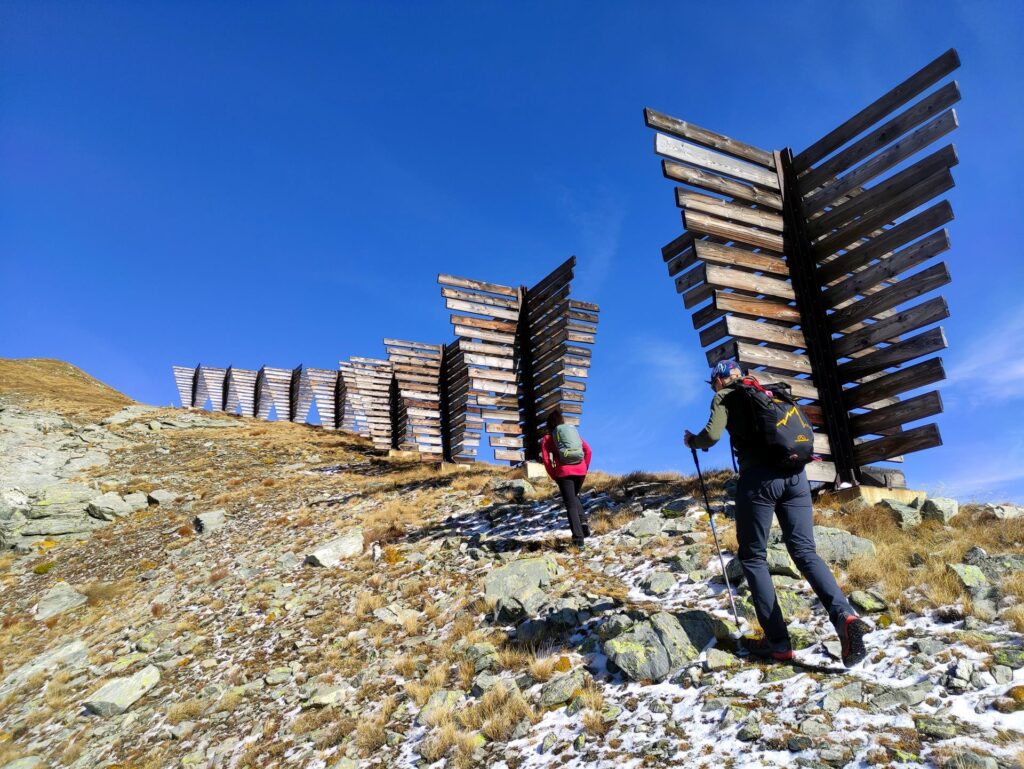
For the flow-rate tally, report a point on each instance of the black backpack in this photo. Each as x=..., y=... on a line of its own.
x=782, y=434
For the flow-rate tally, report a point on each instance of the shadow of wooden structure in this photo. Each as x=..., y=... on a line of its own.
x=796, y=265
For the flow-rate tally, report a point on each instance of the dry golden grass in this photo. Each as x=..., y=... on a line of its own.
x=368, y=602
x=436, y=745
x=542, y=668
x=404, y=665
x=188, y=710
x=497, y=713
x=594, y=723
x=229, y=702
x=102, y=592
x=57, y=386
x=420, y=691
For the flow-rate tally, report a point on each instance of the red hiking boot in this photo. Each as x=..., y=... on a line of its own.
x=852, y=636
x=780, y=651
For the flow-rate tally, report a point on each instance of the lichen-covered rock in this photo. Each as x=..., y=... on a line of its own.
x=658, y=582
x=109, y=506
x=970, y=578
x=645, y=527
x=868, y=602
x=906, y=516
x=508, y=580
x=941, y=509
x=652, y=649
x=118, y=695
x=838, y=546
x=562, y=688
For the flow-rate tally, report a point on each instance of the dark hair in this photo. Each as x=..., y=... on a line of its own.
x=555, y=419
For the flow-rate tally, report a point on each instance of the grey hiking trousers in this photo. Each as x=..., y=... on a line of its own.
x=761, y=493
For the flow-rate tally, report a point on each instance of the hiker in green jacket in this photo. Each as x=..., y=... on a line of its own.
x=764, y=491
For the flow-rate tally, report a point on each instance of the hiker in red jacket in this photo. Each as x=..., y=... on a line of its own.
x=566, y=457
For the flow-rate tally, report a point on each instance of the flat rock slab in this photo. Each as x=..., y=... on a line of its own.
x=27, y=762
x=209, y=522
x=1004, y=512
x=337, y=550
x=522, y=574
x=162, y=497
x=109, y=506
x=57, y=600
x=70, y=656
x=120, y=694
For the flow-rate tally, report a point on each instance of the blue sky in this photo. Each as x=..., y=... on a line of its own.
x=280, y=183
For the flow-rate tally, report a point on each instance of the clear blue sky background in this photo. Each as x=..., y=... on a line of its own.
x=250, y=183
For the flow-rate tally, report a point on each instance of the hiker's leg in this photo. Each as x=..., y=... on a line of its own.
x=568, y=487
x=755, y=505
x=796, y=519
x=578, y=481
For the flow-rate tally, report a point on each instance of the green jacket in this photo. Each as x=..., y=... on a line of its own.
x=730, y=410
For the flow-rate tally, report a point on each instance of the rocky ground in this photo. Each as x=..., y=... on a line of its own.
x=196, y=590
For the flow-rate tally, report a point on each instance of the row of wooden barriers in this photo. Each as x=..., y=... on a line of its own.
x=795, y=264
x=519, y=353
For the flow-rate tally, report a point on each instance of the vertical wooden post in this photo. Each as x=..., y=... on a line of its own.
x=814, y=322
x=527, y=394
x=443, y=390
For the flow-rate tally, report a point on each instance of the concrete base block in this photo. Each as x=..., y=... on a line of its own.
x=872, y=495
x=530, y=470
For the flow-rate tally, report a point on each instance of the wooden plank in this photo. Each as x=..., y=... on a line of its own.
x=470, y=296
x=490, y=336
x=887, y=268
x=920, y=283
x=696, y=201
x=874, y=422
x=688, y=280
x=681, y=262
x=692, y=155
x=477, y=285
x=503, y=428
x=723, y=277
x=702, y=136
x=915, y=439
x=753, y=331
x=894, y=155
x=697, y=294
x=890, y=211
x=487, y=325
x=887, y=386
x=889, y=188
x=925, y=343
x=482, y=309
x=715, y=253
x=936, y=216
x=737, y=190
x=711, y=225
x=897, y=97
x=755, y=308
x=903, y=322
x=772, y=359
x=880, y=137
x=677, y=246
x=803, y=389
x=509, y=456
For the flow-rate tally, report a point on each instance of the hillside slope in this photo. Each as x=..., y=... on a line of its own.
x=197, y=590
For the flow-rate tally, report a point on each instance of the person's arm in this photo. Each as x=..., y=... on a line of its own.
x=545, y=446
x=713, y=430
x=587, y=453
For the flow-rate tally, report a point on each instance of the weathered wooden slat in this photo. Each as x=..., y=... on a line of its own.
x=888, y=268
x=894, y=99
x=696, y=201
x=715, y=253
x=752, y=331
x=695, y=177
x=702, y=136
x=681, y=262
x=933, y=340
x=823, y=472
x=677, y=246
x=478, y=298
x=723, y=277
x=874, y=422
x=711, y=225
x=692, y=155
x=772, y=359
x=803, y=389
x=887, y=386
x=477, y=285
x=915, y=439
x=184, y=381
x=931, y=311
x=755, y=308
x=890, y=211
x=894, y=155
x=886, y=190
x=880, y=137
x=922, y=282
x=931, y=218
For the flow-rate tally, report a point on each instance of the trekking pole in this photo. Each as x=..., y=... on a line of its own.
x=718, y=547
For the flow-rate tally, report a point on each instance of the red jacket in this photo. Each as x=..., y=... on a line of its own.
x=556, y=470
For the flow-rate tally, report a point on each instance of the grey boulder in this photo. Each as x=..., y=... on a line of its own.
x=162, y=497
x=940, y=509
x=652, y=649
x=337, y=550
x=209, y=522
x=57, y=600
x=109, y=506
x=118, y=695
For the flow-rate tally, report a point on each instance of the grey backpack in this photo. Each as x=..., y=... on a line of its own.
x=568, y=445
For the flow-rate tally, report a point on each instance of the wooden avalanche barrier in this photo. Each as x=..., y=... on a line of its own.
x=518, y=354
x=368, y=399
x=801, y=266
x=416, y=396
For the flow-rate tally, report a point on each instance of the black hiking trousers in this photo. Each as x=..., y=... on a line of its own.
x=761, y=493
x=570, y=488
